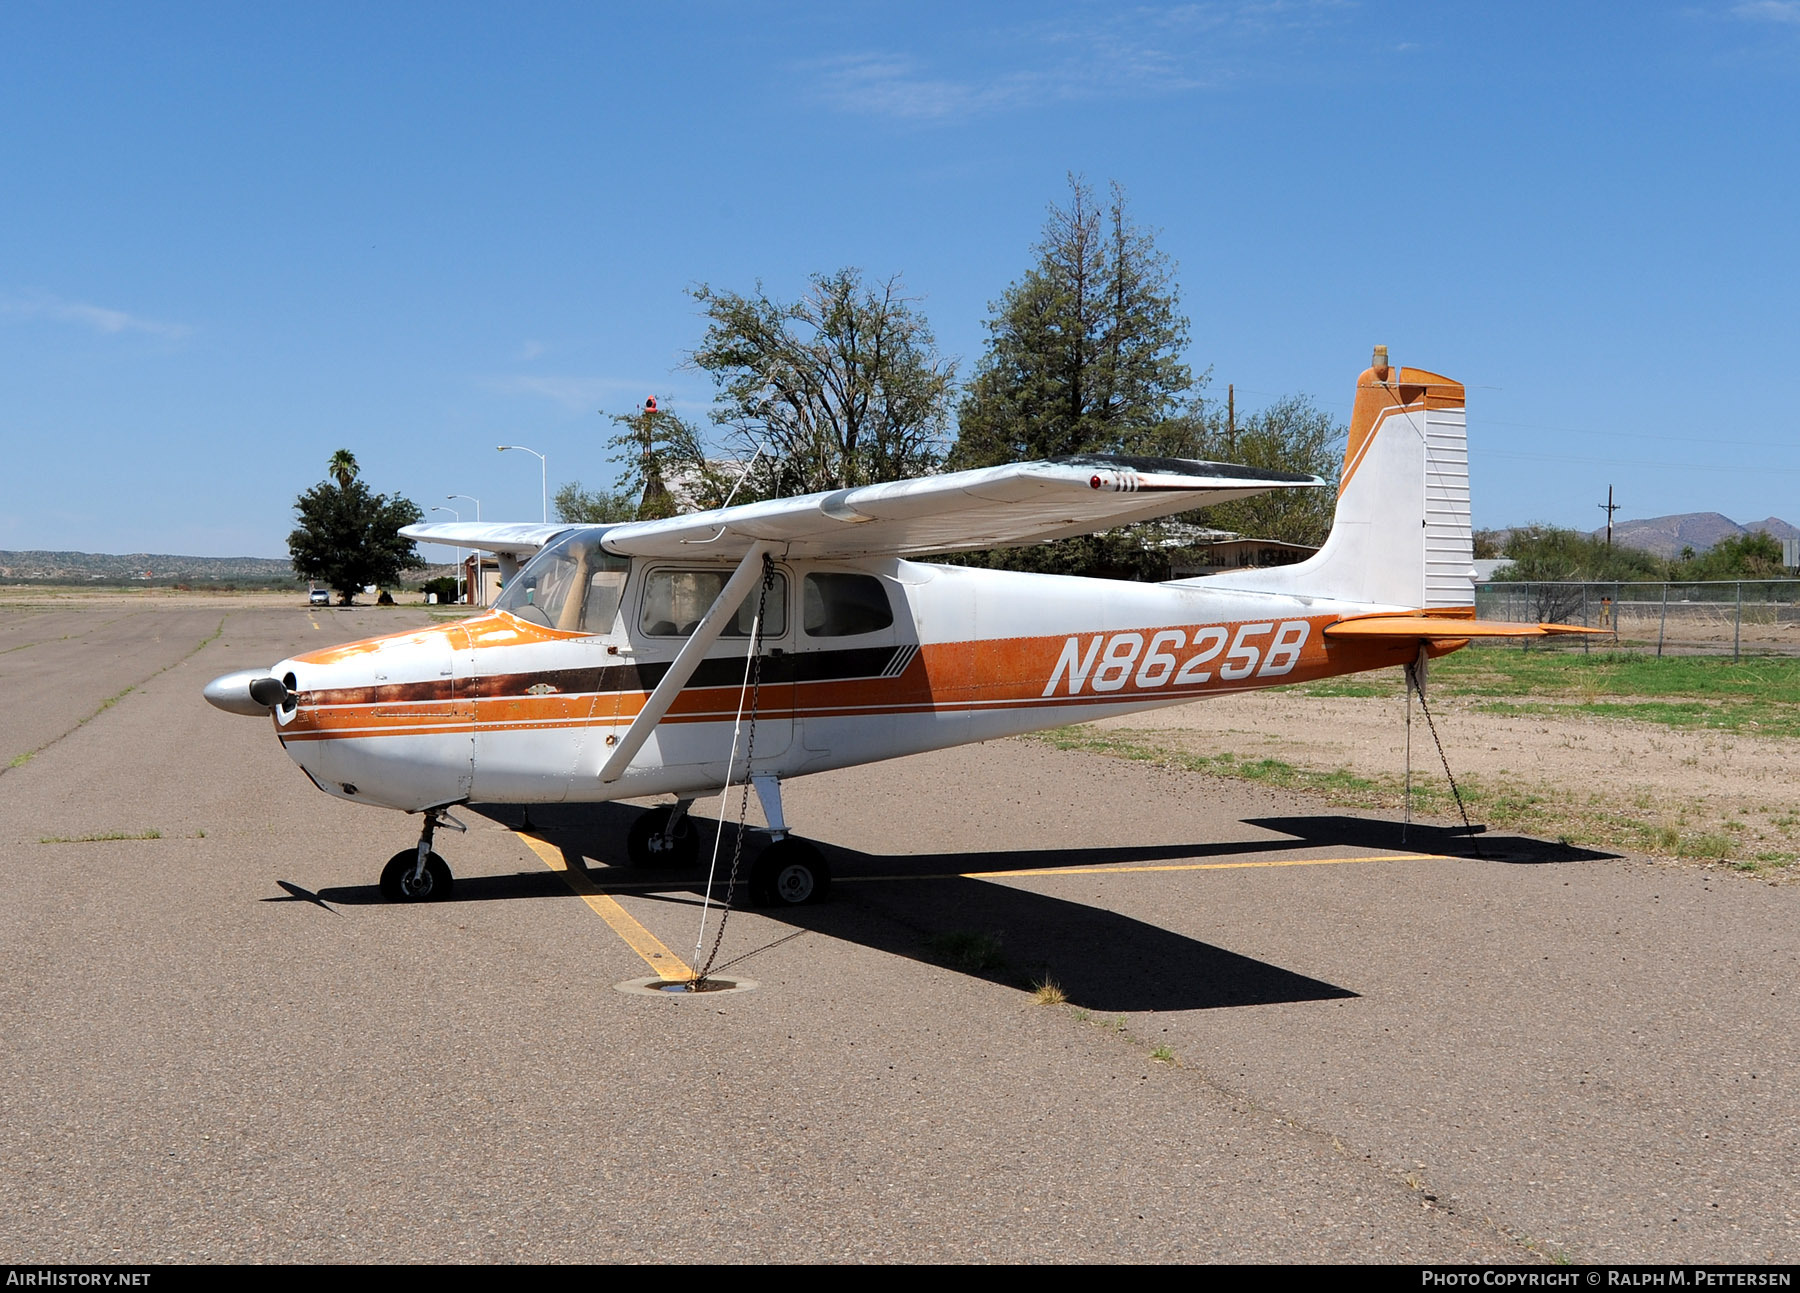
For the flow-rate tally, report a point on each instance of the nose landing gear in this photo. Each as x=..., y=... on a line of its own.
x=664, y=837
x=418, y=874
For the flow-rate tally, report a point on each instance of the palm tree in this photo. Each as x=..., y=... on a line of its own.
x=343, y=466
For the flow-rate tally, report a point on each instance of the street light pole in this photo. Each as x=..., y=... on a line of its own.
x=543, y=474
x=474, y=594
x=459, y=569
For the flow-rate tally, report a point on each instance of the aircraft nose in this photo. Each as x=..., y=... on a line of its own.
x=248, y=691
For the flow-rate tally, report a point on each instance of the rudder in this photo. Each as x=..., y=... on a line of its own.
x=1401, y=535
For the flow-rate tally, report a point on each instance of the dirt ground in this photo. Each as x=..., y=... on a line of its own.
x=1603, y=781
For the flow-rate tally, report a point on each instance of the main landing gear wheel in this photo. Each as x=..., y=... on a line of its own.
x=398, y=885
x=790, y=873
x=651, y=843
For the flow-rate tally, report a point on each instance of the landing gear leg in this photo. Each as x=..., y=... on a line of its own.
x=790, y=872
x=418, y=874
x=768, y=794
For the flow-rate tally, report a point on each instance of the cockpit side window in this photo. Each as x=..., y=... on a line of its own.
x=840, y=605
x=675, y=601
x=573, y=585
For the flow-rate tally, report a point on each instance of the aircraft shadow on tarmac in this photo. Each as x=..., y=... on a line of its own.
x=1325, y=831
x=1102, y=960
x=938, y=908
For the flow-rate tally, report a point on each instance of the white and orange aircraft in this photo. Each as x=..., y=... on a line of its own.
x=618, y=660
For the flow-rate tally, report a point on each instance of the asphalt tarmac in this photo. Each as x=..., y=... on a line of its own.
x=1287, y=1038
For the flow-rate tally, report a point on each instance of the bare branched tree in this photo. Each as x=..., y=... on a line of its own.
x=843, y=387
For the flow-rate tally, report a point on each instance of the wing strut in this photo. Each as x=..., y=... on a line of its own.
x=687, y=660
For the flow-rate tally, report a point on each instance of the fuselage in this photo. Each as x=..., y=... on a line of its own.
x=861, y=661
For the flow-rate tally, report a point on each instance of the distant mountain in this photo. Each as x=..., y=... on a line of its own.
x=1775, y=528
x=1666, y=536
x=157, y=567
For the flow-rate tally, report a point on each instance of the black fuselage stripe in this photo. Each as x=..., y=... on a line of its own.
x=805, y=666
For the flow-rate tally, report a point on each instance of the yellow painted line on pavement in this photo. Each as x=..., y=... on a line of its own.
x=667, y=965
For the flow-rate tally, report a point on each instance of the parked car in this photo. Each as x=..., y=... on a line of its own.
x=318, y=597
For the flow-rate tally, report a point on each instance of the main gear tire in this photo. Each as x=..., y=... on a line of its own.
x=790, y=873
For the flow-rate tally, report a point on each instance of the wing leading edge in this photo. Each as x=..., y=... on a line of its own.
x=991, y=507
x=519, y=541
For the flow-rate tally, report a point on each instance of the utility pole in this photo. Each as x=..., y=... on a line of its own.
x=1231, y=419
x=1609, y=507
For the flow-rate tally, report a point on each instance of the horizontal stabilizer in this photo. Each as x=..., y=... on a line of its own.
x=1435, y=628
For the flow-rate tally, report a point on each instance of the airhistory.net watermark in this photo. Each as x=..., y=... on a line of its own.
x=50, y=1278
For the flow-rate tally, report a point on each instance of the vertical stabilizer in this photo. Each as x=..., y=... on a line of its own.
x=1401, y=536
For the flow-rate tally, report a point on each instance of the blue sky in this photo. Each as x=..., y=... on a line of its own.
x=235, y=238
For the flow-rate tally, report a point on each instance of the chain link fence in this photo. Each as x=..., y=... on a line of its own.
x=1726, y=617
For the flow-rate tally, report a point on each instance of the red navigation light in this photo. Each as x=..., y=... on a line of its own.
x=1094, y=482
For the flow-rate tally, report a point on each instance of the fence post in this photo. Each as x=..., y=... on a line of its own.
x=1663, y=627
x=1585, y=648
x=1737, y=627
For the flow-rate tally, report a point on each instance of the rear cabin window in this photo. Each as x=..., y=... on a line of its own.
x=675, y=600
x=842, y=606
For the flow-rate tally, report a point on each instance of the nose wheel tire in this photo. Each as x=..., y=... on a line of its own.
x=651, y=843
x=398, y=885
x=790, y=873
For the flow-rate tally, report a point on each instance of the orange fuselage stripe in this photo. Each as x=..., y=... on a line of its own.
x=942, y=678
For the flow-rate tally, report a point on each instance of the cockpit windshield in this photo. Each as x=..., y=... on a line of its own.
x=573, y=585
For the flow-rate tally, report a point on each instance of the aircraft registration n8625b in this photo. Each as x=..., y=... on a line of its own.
x=629, y=660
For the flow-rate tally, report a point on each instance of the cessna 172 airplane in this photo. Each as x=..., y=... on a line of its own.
x=617, y=662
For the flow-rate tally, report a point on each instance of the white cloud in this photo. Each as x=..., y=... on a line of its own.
x=1786, y=11
x=887, y=85
x=1125, y=53
x=98, y=318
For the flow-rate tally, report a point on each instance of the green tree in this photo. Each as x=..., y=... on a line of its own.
x=665, y=464
x=1291, y=434
x=1558, y=560
x=1545, y=553
x=665, y=470
x=579, y=506
x=1084, y=352
x=1742, y=556
x=347, y=537
x=843, y=387
x=343, y=466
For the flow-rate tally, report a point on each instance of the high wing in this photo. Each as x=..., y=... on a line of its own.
x=991, y=507
x=517, y=541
